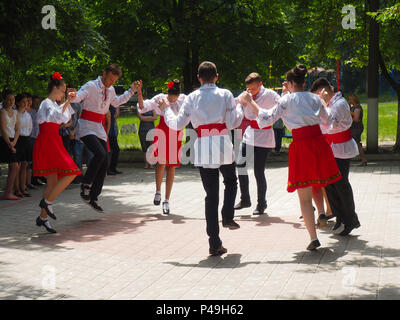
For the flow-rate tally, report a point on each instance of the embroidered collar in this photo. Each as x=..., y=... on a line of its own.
x=335, y=98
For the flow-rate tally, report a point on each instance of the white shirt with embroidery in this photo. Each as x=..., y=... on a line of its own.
x=339, y=108
x=265, y=99
x=297, y=109
x=209, y=105
x=50, y=111
x=152, y=104
x=94, y=99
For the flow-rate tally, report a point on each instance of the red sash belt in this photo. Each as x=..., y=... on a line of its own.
x=306, y=132
x=339, y=137
x=254, y=125
x=213, y=129
x=93, y=116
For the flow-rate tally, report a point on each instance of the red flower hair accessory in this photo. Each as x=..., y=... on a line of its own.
x=171, y=84
x=56, y=76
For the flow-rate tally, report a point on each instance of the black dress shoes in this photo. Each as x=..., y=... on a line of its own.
x=232, y=225
x=349, y=228
x=242, y=205
x=95, y=206
x=217, y=252
x=260, y=209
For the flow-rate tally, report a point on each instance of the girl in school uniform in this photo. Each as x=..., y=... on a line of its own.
x=167, y=142
x=24, y=152
x=9, y=130
x=50, y=159
x=311, y=161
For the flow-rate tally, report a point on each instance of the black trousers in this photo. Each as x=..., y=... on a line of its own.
x=260, y=159
x=279, y=133
x=114, y=152
x=97, y=169
x=340, y=195
x=210, y=180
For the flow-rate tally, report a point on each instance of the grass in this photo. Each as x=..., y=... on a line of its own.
x=386, y=127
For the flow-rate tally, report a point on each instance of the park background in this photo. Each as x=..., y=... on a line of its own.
x=158, y=41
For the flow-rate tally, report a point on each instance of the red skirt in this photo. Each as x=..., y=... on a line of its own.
x=167, y=145
x=49, y=154
x=311, y=160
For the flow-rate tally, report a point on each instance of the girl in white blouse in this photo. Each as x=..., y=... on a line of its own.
x=50, y=159
x=9, y=129
x=311, y=161
x=167, y=142
x=23, y=145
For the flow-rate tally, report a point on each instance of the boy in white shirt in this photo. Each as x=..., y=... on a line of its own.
x=344, y=148
x=260, y=140
x=213, y=112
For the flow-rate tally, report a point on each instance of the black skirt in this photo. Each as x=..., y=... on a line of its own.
x=6, y=156
x=24, y=149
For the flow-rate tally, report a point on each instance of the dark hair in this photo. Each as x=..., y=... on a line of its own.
x=6, y=93
x=35, y=97
x=19, y=98
x=320, y=83
x=54, y=82
x=207, y=71
x=28, y=95
x=297, y=74
x=114, y=69
x=253, y=77
x=176, y=89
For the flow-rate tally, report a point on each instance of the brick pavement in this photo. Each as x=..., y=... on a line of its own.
x=134, y=252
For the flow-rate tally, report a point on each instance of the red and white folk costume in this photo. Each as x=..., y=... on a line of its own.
x=49, y=154
x=167, y=142
x=311, y=161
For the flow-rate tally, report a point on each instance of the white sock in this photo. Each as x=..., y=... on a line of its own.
x=43, y=219
x=314, y=239
x=166, y=200
x=158, y=192
x=48, y=202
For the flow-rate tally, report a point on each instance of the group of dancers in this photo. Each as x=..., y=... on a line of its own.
x=319, y=156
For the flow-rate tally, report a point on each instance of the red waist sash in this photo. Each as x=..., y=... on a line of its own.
x=254, y=125
x=306, y=132
x=338, y=137
x=212, y=129
x=93, y=116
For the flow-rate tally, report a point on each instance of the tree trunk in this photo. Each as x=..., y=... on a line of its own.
x=187, y=74
x=396, y=88
x=373, y=81
x=195, y=66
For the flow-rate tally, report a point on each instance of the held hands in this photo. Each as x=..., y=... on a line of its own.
x=162, y=104
x=136, y=86
x=11, y=145
x=285, y=87
x=71, y=95
x=323, y=94
x=245, y=98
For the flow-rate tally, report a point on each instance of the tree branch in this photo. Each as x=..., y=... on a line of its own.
x=386, y=74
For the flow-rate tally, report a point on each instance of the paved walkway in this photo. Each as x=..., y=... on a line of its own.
x=134, y=252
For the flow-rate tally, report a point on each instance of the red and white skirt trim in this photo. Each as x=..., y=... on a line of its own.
x=311, y=160
x=49, y=154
